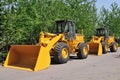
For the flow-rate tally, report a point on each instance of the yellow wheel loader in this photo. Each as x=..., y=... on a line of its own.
x=59, y=46
x=101, y=42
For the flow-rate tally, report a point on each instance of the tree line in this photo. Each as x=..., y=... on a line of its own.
x=23, y=20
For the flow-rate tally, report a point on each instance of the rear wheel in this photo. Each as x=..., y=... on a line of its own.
x=114, y=47
x=82, y=51
x=104, y=47
x=61, y=53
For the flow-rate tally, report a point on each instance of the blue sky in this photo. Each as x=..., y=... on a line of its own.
x=106, y=3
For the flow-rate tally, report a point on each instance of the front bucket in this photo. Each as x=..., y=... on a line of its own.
x=95, y=48
x=27, y=57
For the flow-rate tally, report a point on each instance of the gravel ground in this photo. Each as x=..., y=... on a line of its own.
x=105, y=67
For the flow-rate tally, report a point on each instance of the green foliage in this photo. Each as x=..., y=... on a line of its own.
x=111, y=19
x=3, y=54
x=23, y=20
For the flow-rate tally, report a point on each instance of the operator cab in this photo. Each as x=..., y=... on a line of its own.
x=102, y=32
x=67, y=27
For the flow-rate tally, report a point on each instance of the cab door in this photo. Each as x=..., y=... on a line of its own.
x=69, y=31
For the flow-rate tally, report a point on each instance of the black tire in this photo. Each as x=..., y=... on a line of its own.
x=58, y=57
x=114, y=47
x=81, y=53
x=104, y=47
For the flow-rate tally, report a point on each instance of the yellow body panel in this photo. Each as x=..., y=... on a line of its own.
x=73, y=44
x=110, y=40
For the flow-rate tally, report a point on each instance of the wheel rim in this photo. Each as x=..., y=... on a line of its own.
x=115, y=47
x=106, y=48
x=64, y=53
x=85, y=50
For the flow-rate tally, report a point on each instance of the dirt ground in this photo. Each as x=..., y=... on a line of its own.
x=105, y=67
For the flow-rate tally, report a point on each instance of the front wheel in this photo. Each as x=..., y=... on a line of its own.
x=82, y=51
x=61, y=53
x=114, y=47
x=104, y=47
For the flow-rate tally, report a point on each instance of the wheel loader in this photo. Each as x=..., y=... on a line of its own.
x=101, y=42
x=58, y=45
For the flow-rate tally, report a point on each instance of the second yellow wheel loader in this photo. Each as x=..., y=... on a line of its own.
x=101, y=42
x=59, y=45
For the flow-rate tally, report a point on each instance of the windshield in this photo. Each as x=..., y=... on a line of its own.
x=100, y=32
x=59, y=28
